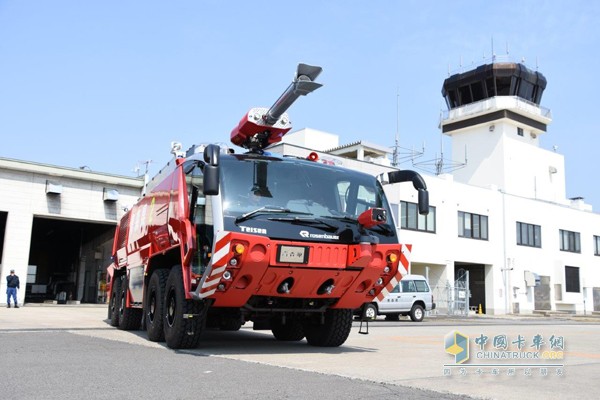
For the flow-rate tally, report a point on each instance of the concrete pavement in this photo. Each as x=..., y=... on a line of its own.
x=399, y=353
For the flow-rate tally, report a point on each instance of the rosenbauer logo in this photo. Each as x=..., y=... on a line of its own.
x=307, y=234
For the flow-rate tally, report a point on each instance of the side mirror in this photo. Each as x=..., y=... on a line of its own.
x=423, y=202
x=211, y=170
x=417, y=181
x=211, y=180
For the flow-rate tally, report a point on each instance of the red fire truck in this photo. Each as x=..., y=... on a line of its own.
x=220, y=239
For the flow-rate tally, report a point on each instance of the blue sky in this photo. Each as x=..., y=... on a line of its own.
x=109, y=84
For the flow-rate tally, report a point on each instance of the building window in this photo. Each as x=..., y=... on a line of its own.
x=569, y=241
x=597, y=245
x=472, y=226
x=529, y=235
x=572, y=279
x=411, y=219
x=520, y=131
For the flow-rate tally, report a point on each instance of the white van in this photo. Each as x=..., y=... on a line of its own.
x=411, y=297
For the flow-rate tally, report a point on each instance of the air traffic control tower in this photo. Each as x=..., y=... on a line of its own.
x=495, y=121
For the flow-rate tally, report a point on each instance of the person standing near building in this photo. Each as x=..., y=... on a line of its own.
x=12, y=283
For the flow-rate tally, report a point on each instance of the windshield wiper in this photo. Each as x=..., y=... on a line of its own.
x=384, y=228
x=307, y=221
x=343, y=218
x=268, y=210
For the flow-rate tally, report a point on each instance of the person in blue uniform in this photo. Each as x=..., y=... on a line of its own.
x=12, y=283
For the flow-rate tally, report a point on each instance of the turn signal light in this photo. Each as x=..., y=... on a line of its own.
x=392, y=258
x=239, y=249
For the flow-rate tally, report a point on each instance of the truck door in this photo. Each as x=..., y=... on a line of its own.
x=200, y=214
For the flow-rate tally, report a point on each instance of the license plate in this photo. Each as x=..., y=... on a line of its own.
x=292, y=254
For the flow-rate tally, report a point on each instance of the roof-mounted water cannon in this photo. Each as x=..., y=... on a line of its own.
x=261, y=127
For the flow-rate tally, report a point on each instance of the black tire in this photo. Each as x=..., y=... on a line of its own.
x=333, y=332
x=417, y=313
x=392, y=317
x=230, y=324
x=113, y=304
x=291, y=331
x=155, y=305
x=369, y=312
x=181, y=332
x=129, y=318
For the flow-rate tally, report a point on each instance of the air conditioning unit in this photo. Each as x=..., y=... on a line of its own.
x=110, y=194
x=53, y=188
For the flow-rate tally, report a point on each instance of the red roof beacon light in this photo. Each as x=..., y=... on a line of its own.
x=313, y=156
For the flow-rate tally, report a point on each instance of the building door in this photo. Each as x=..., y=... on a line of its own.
x=596, y=294
x=476, y=283
x=3, y=216
x=541, y=294
x=59, y=251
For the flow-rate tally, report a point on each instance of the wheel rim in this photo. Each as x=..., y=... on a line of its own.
x=122, y=304
x=370, y=313
x=418, y=313
x=171, y=303
x=152, y=307
x=113, y=302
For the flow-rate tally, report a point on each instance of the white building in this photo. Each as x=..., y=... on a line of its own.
x=504, y=217
x=56, y=228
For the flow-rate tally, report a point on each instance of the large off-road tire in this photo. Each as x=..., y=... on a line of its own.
x=113, y=304
x=369, y=312
x=291, y=331
x=155, y=305
x=417, y=313
x=392, y=317
x=129, y=318
x=333, y=332
x=230, y=324
x=184, y=319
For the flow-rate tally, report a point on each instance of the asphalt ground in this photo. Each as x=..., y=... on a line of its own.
x=71, y=351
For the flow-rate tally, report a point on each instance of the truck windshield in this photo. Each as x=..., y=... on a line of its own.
x=253, y=186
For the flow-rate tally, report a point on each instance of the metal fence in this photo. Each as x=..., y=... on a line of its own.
x=453, y=297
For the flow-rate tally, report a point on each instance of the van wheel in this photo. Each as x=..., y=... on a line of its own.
x=417, y=313
x=369, y=312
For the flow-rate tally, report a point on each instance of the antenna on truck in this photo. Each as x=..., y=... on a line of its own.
x=261, y=127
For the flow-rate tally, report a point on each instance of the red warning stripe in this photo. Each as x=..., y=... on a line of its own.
x=403, y=268
x=214, y=271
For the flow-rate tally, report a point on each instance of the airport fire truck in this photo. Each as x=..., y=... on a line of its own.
x=220, y=239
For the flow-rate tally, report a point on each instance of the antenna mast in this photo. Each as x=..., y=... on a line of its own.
x=397, y=139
